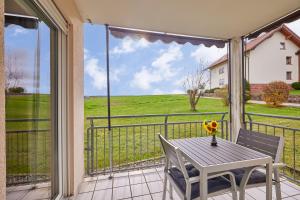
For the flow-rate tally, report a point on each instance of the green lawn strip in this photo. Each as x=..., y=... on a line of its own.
x=295, y=92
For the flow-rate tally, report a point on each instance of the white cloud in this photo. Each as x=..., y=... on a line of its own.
x=161, y=69
x=295, y=26
x=97, y=72
x=209, y=55
x=19, y=31
x=129, y=45
x=163, y=62
x=144, y=78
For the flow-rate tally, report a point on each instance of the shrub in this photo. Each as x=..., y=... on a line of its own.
x=223, y=93
x=275, y=93
x=16, y=90
x=211, y=90
x=296, y=85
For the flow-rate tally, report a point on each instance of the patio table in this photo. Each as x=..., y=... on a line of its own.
x=226, y=156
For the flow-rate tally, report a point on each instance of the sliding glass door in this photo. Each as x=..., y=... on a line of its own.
x=31, y=64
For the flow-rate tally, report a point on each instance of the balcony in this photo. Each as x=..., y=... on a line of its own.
x=136, y=184
x=136, y=159
x=130, y=152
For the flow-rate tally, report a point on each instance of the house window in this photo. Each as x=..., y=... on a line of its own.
x=221, y=82
x=282, y=46
x=221, y=70
x=289, y=60
x=288, y=75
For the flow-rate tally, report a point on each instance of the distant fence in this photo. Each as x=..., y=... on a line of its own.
x=27, y=151
x=136, y=145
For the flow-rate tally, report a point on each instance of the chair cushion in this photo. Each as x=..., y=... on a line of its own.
x=214, y=184
x=255, y=178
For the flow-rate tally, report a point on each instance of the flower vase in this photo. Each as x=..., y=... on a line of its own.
x=214, y=141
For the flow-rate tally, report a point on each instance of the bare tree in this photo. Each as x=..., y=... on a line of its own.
x=195, y=83
x=13, y=71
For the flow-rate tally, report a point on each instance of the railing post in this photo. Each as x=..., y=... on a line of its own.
x=222, y=125
x=88, y=151
x=92, y=146
x=250, y=121
x=166, y=126
x=110, y=153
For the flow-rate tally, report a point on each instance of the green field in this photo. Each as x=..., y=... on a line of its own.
x=140, y=145
x=295, y=92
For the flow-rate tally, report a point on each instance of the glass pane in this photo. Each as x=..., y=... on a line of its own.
x=30, y=105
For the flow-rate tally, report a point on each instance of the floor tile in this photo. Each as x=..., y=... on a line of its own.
x=121, y=181
x=153, y=176
x=42, y=193
x=139, y=189
x=16, y=195
x=121, y=192
x=85, y=196
x=121, y=174
x=104, y=184
x=150, y=170
x=103, y=194
x=158, y=196
x=135, y=179
x=161, y=174
x=102, y=177
x=155, y=187
x=87, y=186
x=145, y=197
x=92, y=178
x=135, y=172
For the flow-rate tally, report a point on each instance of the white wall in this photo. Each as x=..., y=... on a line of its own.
x=215, y=76
x=268, y=62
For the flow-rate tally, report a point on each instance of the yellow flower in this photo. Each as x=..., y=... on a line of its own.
x=211, y=127
x=214, y=124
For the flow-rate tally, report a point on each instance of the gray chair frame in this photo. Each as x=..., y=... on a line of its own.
x=174, y=157
x=267, y=144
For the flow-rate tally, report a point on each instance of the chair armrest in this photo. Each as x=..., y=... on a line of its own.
x=276, y=165
x=194, y=179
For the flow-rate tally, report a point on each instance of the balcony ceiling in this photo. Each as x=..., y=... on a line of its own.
x=208, y=18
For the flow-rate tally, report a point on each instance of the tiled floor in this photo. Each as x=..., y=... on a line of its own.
x=135, y=185
x=29, y=192
x=148, y=184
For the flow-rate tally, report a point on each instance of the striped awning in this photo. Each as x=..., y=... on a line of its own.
x=165, y=37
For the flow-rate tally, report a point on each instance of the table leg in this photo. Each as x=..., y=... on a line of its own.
x=269, y=181
x=203, y=185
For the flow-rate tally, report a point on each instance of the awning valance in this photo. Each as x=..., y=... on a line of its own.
x=25, y=22
x=286, y=19
x=165, y=37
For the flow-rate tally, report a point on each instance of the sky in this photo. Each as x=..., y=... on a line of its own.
x=137, y=67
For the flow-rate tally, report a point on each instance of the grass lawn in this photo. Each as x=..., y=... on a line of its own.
x=141, y=145
x=295, y=92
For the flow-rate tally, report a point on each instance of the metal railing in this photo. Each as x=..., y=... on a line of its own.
x=136, y=145
x=27, y=151
x=287, y=127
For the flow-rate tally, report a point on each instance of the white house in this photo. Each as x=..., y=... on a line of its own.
x=270, y=57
